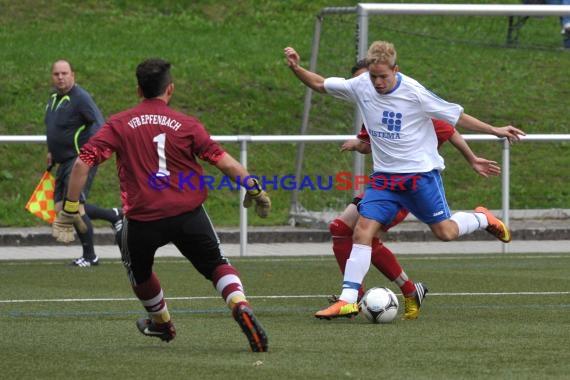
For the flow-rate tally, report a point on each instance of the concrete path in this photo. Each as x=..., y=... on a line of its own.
x=300, y=249
x=533, y=231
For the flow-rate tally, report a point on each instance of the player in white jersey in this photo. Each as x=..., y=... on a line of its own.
x=397, y=111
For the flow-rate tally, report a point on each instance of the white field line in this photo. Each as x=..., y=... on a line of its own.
x=478, y=294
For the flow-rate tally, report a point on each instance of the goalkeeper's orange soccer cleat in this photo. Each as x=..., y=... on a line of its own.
x=256, y=336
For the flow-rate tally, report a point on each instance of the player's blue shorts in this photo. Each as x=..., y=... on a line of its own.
x=421, y=193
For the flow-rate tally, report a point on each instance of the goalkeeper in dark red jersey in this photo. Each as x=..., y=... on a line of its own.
x=156, y=155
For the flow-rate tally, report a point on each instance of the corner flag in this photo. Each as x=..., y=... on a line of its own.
x=41, y=202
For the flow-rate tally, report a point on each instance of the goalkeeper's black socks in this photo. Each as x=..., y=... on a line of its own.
x=87, y=239
x=108, y=214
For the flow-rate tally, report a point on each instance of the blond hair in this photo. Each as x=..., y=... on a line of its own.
x=382, y=52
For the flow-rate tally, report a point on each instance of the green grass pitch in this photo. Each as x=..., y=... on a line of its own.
x=495, y=316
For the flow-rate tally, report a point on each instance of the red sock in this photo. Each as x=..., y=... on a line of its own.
x=342, y=242
x=150, y=294
x=387, y=263
x=342, y=245
x=148, y=289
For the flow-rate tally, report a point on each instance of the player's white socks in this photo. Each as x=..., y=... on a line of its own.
x=468, y=222
x=356, y=268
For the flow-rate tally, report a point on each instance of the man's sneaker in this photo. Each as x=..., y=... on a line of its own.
x=338, y=309
x=83, y=262
x=165, y=331
x=413, y=303
x=243, y=314
x=565, y=29
x=496, y=227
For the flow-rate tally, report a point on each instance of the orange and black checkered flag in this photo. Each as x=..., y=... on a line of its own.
x=41, y=202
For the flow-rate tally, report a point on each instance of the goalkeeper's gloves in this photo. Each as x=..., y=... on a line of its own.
x=259, y=196
x=67, y=221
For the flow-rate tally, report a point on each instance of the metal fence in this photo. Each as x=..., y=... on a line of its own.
x=245, y=140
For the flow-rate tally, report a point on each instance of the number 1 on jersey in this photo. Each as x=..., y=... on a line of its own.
x=160, y=141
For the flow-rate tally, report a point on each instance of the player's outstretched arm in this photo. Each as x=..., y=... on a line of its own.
x=355, y=145
x=482, y=166
x=310, y=79
x=473, y=124
x=511, y=133
x=254, y=194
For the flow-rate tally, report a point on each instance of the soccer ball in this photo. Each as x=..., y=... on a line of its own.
x=379, y=305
